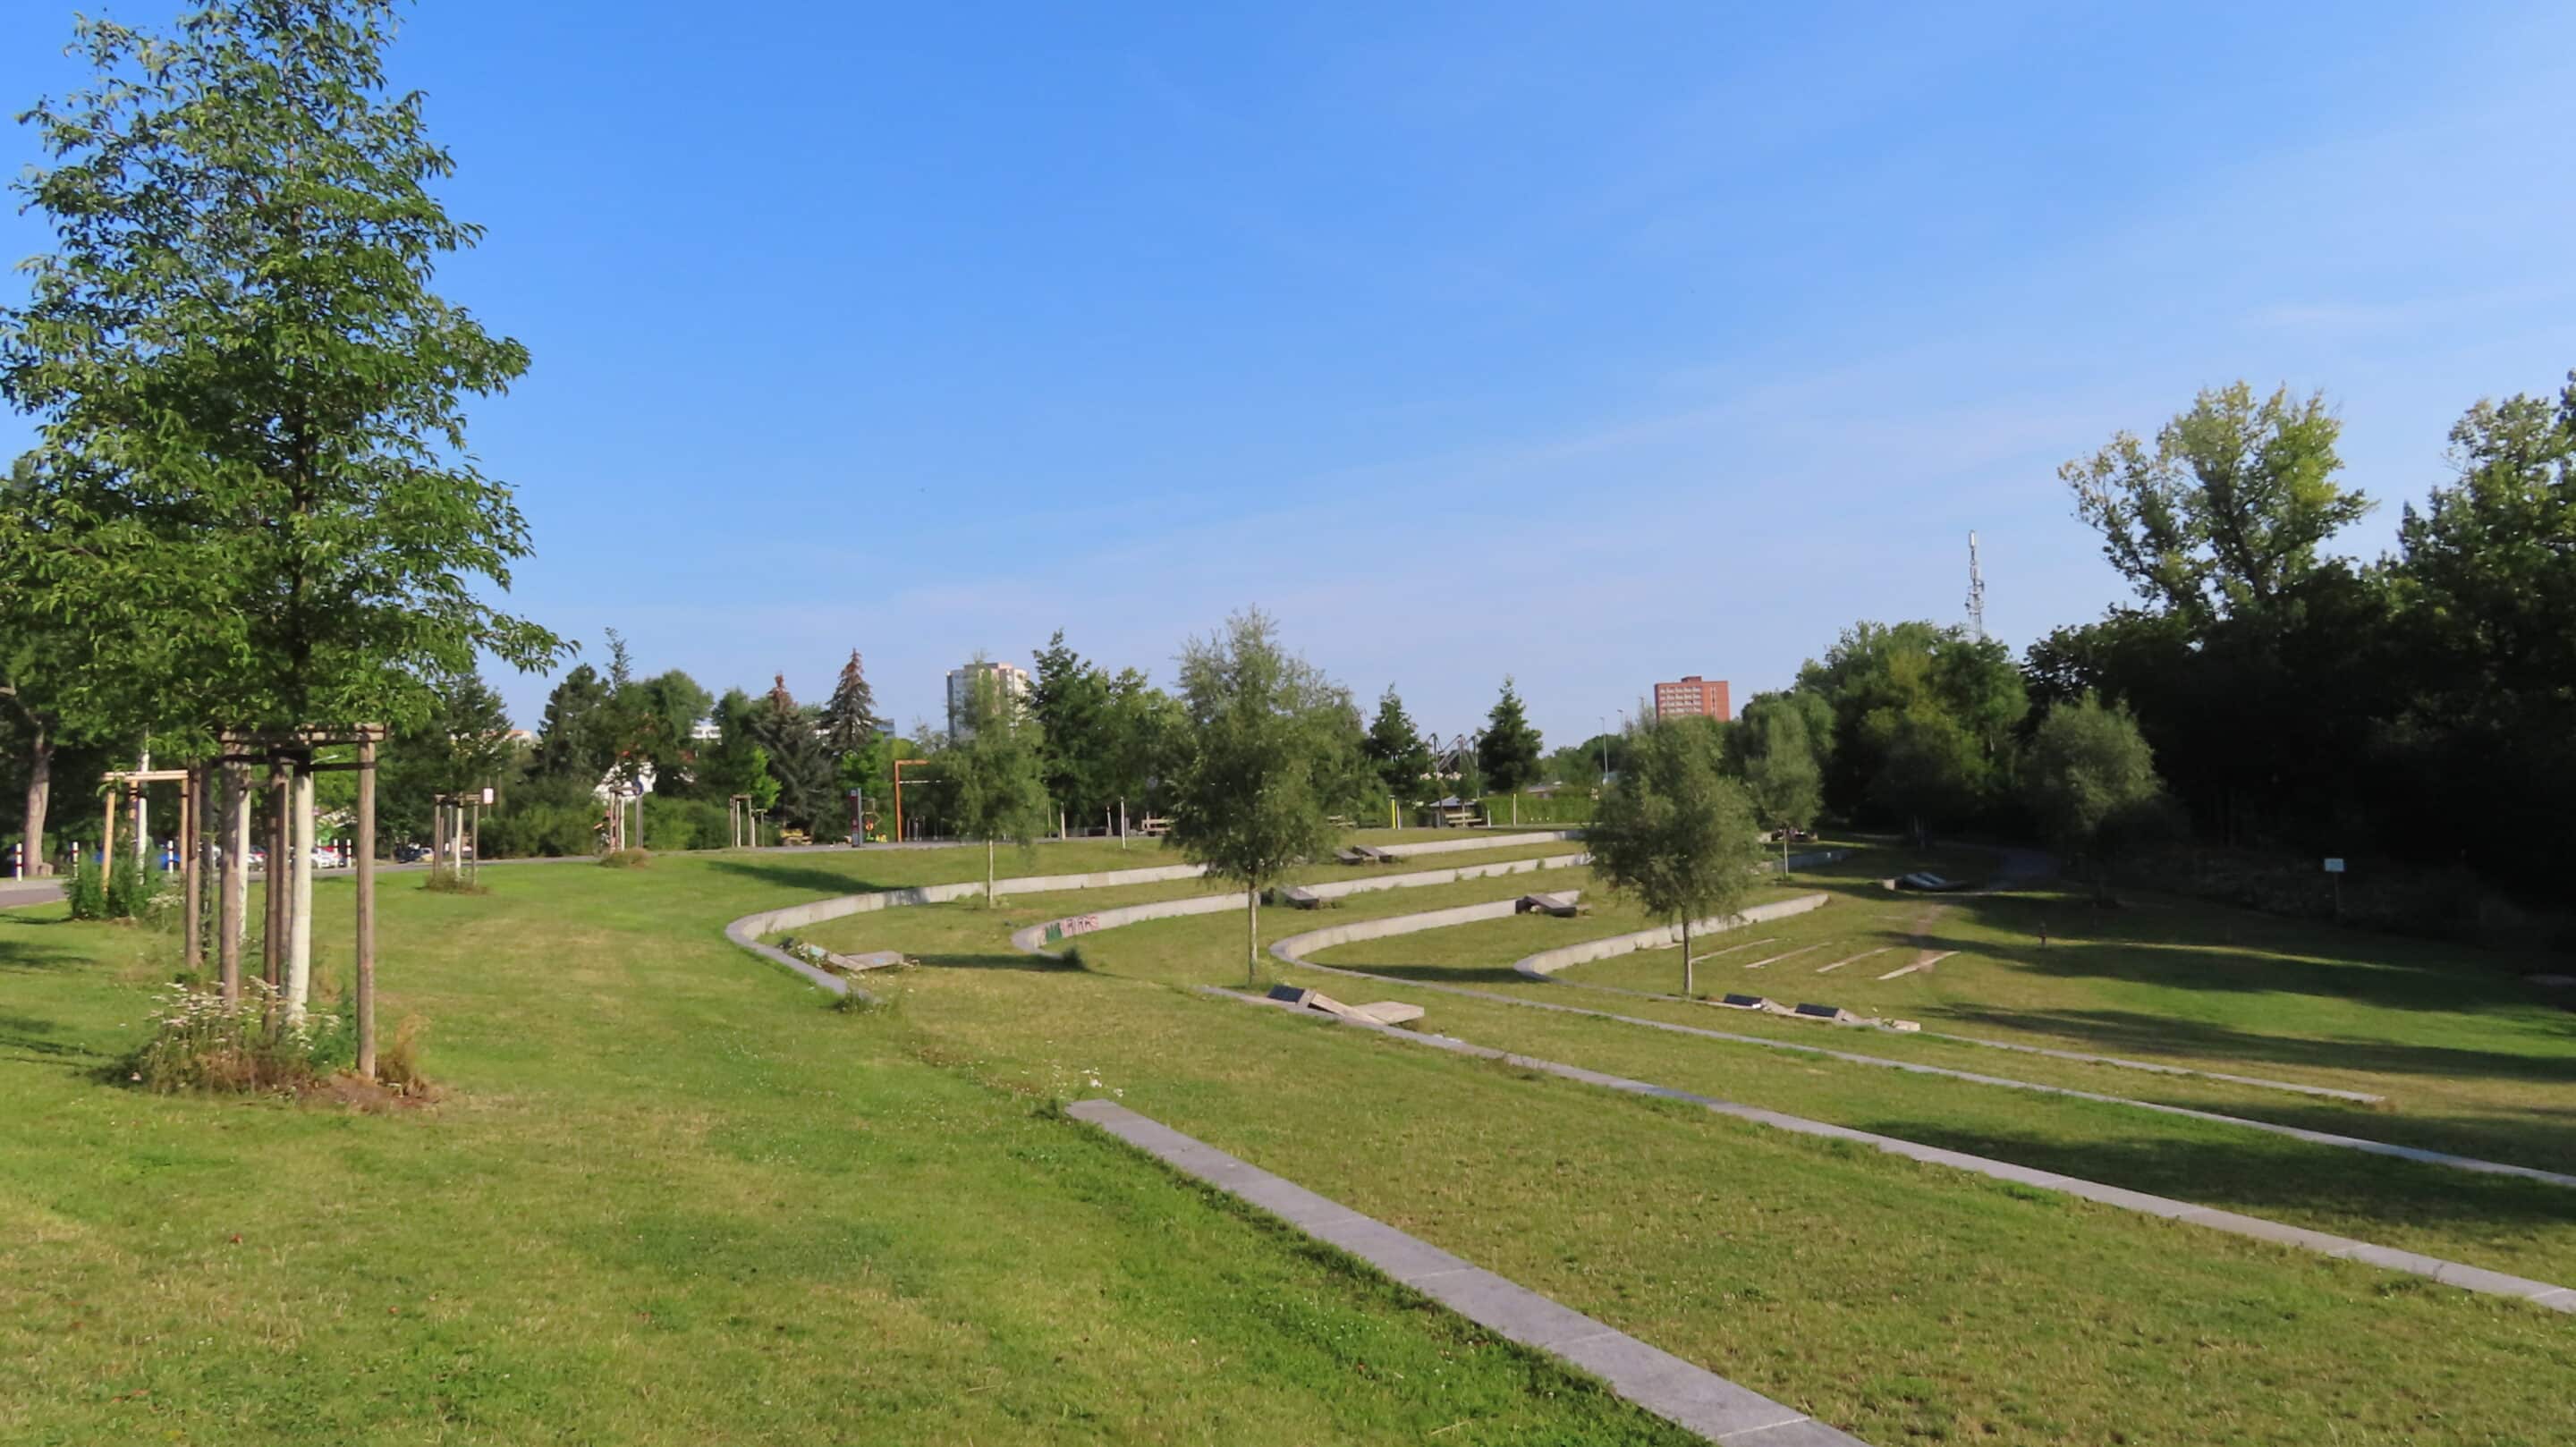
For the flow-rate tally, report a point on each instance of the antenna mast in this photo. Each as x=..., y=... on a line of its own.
x=1976, y=592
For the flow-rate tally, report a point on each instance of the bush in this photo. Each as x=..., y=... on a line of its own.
x=626, y=858
x=683, y=824
x=446, y=879
x=199, y=1043
x=85, y=892
x=131, y=893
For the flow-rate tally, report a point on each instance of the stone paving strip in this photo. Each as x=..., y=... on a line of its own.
x=1852, y=960
x=1685, y=1395
x=1925, y=963
x=1292, y=951
x=1775, y=959
x=2342, y=1248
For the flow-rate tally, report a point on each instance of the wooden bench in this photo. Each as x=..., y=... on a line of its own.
x=1154, y=826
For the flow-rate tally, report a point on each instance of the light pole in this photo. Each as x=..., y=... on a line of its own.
x=1605, y=749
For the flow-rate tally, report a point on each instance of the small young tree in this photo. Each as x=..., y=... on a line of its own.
x=1675, y=834
x=1784, y=781
x=1508, y=750
x=995, y=776
x=1245, y=802
x=2090, y=780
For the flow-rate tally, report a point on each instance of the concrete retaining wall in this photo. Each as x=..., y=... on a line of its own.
x=1293, y=948
x=1547, y=962
x=1489, y=841
x=1037, y=937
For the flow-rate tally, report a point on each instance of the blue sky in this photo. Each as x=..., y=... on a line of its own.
x=1592, y=344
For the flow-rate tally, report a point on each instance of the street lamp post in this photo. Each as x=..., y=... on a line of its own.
x=1605, y=749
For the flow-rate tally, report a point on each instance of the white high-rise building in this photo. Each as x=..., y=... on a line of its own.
x=1011, y=679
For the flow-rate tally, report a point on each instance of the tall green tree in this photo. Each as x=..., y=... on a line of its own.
x=1070, y=697
x=1675, y=834
x=850, y=716
x=2091, y=783
x=1245, y=802
x=249, y=399
x=577, y=738
x=2225, y=512
x=1508, y=750
x=1924, y=722
x=993, y=776
x=463, y=747
x=1781, y=776
x=808, y=774
x=1395, y=748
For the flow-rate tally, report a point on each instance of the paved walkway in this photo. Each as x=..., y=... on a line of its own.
x=2449, y=1273
x=1664, y=1384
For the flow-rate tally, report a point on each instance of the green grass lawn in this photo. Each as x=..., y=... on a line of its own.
x=670, y=1199
x=674, y=1198
x=2470, y=1058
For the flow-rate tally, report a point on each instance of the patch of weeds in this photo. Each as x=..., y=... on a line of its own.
x=626, y=858
x=860, y=1002
x=447, y=879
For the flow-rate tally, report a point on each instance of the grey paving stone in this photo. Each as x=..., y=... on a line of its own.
x=1510, y=1310
x=1805, y=1432
x=1676, y=1390
x=2274, y=1231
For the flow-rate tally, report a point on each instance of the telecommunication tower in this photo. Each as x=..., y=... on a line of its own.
x=1976, y=592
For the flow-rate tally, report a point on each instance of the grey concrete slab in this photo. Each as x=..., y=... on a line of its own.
x=1688, y=1396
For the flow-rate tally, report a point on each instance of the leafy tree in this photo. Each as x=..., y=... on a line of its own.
x=1396, y=749
x=850, y=716
x=2225, y=513
x=993, y=775
x=1070, y=698
x=2091, y=782
x=1675, y=834
x=1924, y=720
x=1508, y=750
x=464, y=747
x=1244, y=797
x=1781, y=778
x=248, y=393
x=2489, y=563
x=1147, y=728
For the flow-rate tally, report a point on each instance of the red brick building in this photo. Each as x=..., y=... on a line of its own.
x=1693, y=697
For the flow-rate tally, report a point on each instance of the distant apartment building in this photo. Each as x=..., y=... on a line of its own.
x=1693, y=697
x=1012, y=680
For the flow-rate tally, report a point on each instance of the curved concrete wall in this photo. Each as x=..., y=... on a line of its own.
x=1547, y=962
x=1035, y=939
x=1292, y=948
x=1490, y=841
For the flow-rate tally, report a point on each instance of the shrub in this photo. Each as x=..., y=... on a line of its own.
x=446, y=879
x=132, y=892
x=85, y=892
x=626, y=858
x=199, y=1043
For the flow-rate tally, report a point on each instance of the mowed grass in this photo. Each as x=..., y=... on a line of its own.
x=667, y=1161
x=671, y=1199
x=1906, y=1302
x=2470, y=1058
x=2500, y=1222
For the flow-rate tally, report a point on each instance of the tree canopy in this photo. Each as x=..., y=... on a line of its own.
x=1674, y=833
x=1245, y=801
x=1508, y=749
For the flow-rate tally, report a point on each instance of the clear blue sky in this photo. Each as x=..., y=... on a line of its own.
x=1594, y=344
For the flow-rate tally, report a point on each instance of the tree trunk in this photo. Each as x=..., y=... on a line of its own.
x=40, y=792
x=366, y=951
x=299, y=926
x=234, y=925
x=1252, y=936
x=1686, y=959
